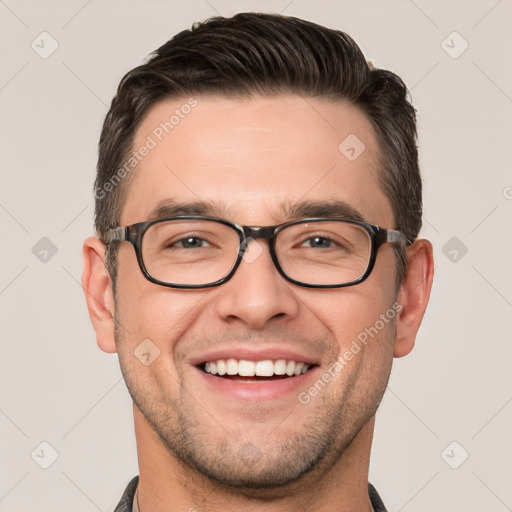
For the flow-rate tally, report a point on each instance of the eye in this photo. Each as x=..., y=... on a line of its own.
x=318, y=242
x=191, y=242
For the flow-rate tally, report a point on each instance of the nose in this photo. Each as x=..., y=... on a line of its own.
x=257, y=294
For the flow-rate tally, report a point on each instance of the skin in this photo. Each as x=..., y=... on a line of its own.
x=195, y=448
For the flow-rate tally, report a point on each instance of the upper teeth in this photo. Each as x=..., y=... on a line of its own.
x=265, y=368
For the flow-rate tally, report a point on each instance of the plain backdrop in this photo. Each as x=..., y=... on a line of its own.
x=443, y=439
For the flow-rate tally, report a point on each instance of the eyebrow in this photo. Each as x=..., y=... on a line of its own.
x=172, y=208
x=289, y=210
x=329, y=209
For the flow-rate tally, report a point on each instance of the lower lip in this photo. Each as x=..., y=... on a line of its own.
x=260, y=389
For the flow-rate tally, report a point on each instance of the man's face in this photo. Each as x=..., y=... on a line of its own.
x=254, y=159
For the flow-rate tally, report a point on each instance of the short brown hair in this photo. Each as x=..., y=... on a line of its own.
x=267, y=54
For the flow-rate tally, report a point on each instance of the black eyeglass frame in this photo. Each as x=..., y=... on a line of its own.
x=135, y=233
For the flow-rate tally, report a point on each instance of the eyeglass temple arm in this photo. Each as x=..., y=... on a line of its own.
x=117, y=234
x=393, y=236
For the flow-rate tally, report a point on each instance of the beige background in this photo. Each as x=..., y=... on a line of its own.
x=58, y=387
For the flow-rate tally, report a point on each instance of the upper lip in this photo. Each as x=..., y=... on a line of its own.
x=252, y=353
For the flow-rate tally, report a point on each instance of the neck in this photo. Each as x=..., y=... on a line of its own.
x=167, y=484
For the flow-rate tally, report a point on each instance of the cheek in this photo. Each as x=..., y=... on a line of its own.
x=359, y=316
x=150, y=322
x=145, y=310
x=363, y=327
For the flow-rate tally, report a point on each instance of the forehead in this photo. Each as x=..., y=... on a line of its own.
x=255, y=158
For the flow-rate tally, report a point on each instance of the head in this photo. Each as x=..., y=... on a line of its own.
x=248, y=116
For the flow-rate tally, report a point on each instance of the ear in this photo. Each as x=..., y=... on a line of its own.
x=97, y=287
x=414, y=295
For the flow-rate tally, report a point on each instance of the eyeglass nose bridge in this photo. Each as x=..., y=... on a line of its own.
x=255, y=232
x=266, y=232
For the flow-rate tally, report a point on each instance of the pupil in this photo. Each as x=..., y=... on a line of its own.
x=192, y=242
x=319, y=241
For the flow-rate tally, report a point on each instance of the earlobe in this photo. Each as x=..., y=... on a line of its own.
x=97, y=287
x=414, y=295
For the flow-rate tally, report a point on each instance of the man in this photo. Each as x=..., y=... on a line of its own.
x=257, y=265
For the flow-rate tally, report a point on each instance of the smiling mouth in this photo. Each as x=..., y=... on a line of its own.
x=251, y=371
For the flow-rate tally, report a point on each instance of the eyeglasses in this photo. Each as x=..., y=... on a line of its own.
x=200, y=252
